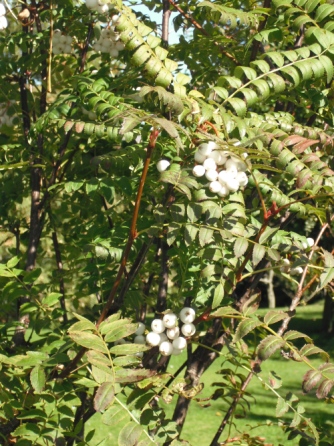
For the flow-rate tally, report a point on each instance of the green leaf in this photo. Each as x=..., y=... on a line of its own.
x=104, y=396
x=88, y=340
x=27, y=431
x=274, y=316
x=311, y=379
x=324, y=388
x=275, y=381
x=205, y=235
x=104, y=326
x=218, y=294
x=259, y=252
x=323, y=11
x=120, y=332
x=225, y=312
x=282, y=407
x=114, y=416
x=51, y=299
x=13, y=262
x=129, y=435
x=238, y=106
x=293, y=334
x=268, y=233
x=245, y=327
x=132, y=375
x=268, y=346
x=86, y=324
x=128, y=349
x=32, y=276
x=326, y=277
x=240, y=247
x=190, y=234
x=100, y=361
x=310, y=349
x=72, y=186
x=37, y=378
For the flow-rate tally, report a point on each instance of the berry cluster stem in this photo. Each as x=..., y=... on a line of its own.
x=132, y=235
x=133, y=227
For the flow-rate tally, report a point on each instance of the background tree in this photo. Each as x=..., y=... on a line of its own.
x=140, y=177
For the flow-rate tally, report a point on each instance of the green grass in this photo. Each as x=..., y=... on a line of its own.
x=202, y=422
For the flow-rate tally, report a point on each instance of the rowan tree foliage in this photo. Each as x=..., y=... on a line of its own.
x=97, y=237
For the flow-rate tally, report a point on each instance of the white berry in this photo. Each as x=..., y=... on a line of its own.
x=198, y=171
x=91, y=4
x=310, y=242
x=199, y=157
x=188, y=329
x=242, y=178
x=233, y=184
x=141, y=329
x=170, y=320
x=218, y=158
x=296, y=271
x=224, y=191
x=158, y=326
x=153, y=339
x=162, y=165
x=215, y=186
x=204, y=149
x=187, y=315
x=211, y=174
x=163, y=337
x=166, y=348
x=212, y=145
x=3, y=22
x=224, y=176
x=180, y=343
x=209, y=164
x=140, y=339
x=173, y=333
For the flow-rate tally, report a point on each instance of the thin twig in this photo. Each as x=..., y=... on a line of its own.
x=300, y=290
x=282, y=329
x=257, y=43
x=133, y=227
x=60, y=271
x=202, y=31
x=131, y=237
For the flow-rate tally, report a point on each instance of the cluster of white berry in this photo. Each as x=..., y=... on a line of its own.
x=100, y=6
x=109, y=41
x=166, y=332
x=297, y=270
x=225, y=172
x=3, y=20
x=61, y=44
x=5, y=119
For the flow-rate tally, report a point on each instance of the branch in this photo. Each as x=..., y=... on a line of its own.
x=60, y=271
x=163, y=284
x=126, y=251
x=133, y=227
x=256, y=43
x=301, y=289
x=202, y=31
x=200, y=360
x=166, y=12
x=231, y=409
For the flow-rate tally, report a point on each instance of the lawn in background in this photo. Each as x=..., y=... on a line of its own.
x=202, y=422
